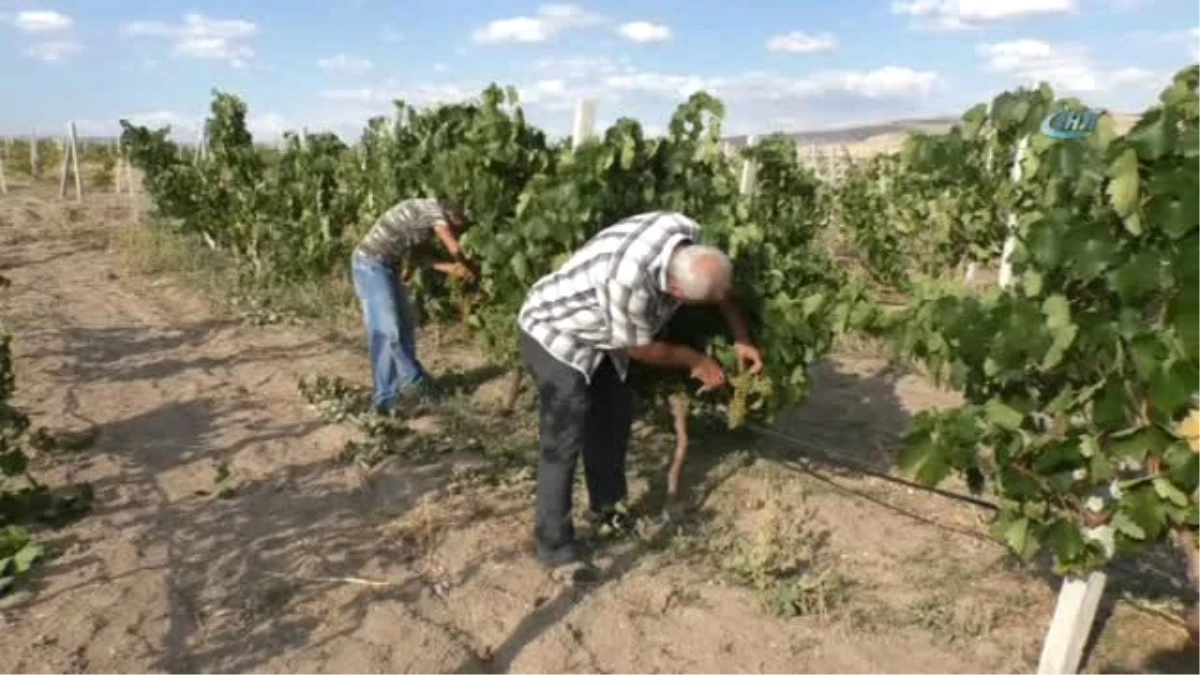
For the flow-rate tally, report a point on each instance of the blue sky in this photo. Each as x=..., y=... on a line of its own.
x=778, y=65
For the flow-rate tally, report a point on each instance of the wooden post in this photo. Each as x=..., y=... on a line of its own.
x=118, y=153
x=585, y=122
x=844, y=161
x=66, y=165
x=3, y=184
x=33, y=153
x=130, y=185
x=749, y=171
x=70, y=154
x=75, y=163
x=1010, y=241
x=679, y=416
x=1078, y=600
x=514, y=391
x=201, y=149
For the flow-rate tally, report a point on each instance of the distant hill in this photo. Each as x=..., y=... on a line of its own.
x=870, y=139
x=854, y=134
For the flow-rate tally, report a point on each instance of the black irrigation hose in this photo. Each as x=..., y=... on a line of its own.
x=866, y=469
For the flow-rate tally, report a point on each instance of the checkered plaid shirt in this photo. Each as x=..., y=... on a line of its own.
x=611, y=295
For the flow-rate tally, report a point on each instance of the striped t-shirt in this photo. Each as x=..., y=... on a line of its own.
x=401, y=228
x=611, y=295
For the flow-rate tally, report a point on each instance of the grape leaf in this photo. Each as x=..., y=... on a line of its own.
x=1124, y=524
x=1123, y=187
x=1177, y=217
x=923, y=460
x=1003, y=415
x=1144, y=507
x=1154, y=135
x=1169, y=492
x=24, y=559
x=1138, y=276
x=1020, y=537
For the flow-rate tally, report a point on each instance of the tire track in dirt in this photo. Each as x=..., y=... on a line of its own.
x=162, y=576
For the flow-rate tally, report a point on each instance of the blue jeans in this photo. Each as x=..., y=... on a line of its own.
x=391, y=323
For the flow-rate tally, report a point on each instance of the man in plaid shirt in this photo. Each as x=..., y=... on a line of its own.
x=580, y=326
x=413, y=228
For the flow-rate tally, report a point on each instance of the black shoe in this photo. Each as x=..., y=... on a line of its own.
x=616, y=522
x=575, y=573
x=422, y=393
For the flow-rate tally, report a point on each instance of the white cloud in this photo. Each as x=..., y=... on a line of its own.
x=964, y=14
x=358, y=95
x=265, y=127
x=345, y=63
x=644, y=32
x=269, y=126
x=881, y=83
x=548, y=23
x=440, y=68
x=1068, y=68
x=422, y=94
x=580, y=67
x=200, y=37
x=799, y=42
x=391, y=35
x=757, y=102
x=42, y=21
x=53, y=51
x=1188, y=37
x=183, y=126
x=161, y=118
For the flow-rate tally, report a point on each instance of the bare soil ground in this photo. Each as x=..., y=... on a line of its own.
x=313, y=565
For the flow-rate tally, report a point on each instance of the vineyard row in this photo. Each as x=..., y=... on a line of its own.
x=1077, y=377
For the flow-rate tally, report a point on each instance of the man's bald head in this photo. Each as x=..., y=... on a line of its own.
x=699, y=274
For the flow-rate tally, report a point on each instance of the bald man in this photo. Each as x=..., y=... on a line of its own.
x=580, y=327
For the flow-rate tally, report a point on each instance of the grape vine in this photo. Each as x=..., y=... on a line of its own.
x=1075, y=378
x=23, y=499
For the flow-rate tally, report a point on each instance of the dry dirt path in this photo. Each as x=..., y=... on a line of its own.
x=164, y=576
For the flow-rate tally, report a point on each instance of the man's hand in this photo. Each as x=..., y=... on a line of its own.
x=747, y=354
x=748, y=357
x=709, y=372
x=456, y=269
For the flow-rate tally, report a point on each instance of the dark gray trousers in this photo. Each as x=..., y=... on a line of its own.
x=575, y=418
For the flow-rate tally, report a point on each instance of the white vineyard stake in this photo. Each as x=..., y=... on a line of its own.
x=1010, y=241
x=1072, y=624
x=70, y=153
x=585, y=122
x=749, y=171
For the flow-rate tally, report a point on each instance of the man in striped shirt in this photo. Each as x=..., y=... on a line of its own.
x=580, y=326
x=407, y=229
